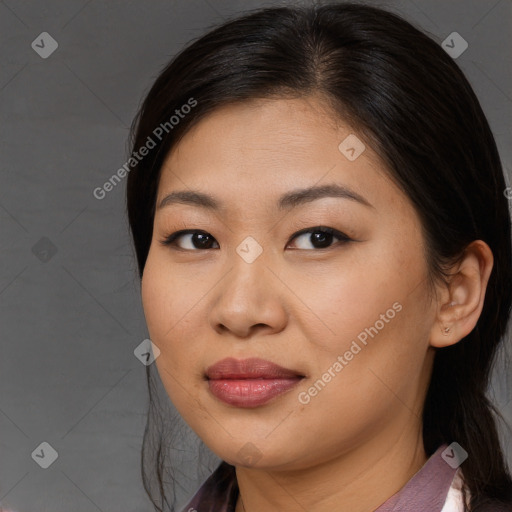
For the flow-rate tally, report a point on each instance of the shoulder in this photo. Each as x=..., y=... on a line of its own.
x=455, y=500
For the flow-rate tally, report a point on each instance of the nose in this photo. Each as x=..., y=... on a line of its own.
x=248, y=299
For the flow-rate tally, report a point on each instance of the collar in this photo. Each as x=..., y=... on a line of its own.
x=426, y=491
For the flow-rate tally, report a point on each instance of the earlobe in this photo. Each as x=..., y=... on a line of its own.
x=461, y=302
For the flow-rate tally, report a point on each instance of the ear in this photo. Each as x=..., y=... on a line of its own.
x=461, y=301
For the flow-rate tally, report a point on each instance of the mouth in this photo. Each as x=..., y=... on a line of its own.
x=249, y=382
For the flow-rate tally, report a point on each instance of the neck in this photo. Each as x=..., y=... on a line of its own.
x=355, y=481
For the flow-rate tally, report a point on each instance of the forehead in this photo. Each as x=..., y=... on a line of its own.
x=262, y=148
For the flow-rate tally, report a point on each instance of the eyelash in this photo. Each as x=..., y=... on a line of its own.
x=171, y=239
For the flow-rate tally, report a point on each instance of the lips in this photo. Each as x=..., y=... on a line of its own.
x=252, y=368
x=249, y=382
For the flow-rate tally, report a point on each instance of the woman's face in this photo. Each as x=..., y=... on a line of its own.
x=352, y=317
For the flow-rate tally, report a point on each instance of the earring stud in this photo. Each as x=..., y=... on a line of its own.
x=446, y=331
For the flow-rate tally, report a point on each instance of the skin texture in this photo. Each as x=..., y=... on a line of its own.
x=301, y=307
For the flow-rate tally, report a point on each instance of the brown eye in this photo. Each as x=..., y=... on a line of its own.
x=319, y=237
x=194, y=239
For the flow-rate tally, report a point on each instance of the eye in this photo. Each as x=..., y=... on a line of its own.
x=196, y=239
x=319, y=237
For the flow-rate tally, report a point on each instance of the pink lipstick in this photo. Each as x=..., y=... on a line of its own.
x=249, y=382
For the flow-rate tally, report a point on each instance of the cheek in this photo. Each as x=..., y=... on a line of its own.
x=154, y=297
x=168, y=307
x=173, y=311
x=369, y=308
x=371, y=372
x=164, y=301
x=350, y=294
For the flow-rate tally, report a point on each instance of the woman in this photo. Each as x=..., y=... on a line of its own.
x=318, y=211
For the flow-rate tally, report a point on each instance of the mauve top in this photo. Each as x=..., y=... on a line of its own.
x=434, y=488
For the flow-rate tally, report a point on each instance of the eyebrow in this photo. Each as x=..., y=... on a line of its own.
x=287, y=201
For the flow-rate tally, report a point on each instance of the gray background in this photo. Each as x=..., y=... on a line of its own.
x=70, y=311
